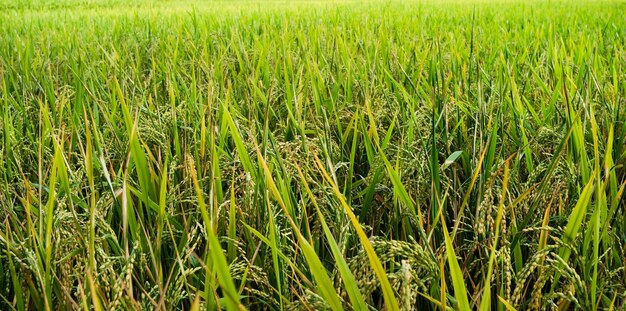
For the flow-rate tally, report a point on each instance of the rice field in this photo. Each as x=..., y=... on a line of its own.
x=323, y=155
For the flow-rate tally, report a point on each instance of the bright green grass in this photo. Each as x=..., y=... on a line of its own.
x=312, y=155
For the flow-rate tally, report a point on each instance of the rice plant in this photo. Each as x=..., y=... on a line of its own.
x=326, y=155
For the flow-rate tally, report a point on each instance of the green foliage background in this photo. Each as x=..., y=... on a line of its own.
x=312, y=155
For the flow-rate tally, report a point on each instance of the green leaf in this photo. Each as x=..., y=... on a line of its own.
x=451, y=159
x=460, y=292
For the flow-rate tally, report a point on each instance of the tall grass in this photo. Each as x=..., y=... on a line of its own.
x=319, y=155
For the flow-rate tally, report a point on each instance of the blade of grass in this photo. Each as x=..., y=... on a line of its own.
x=390, y=300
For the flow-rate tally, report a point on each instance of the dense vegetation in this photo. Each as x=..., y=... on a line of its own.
x=326, y=155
